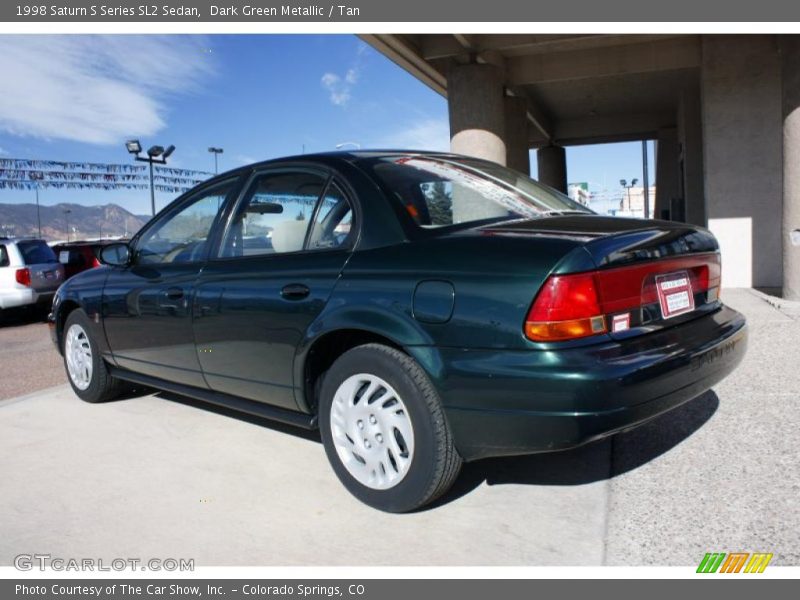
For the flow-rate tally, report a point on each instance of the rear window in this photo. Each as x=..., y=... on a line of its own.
x=35, y=252
x=439, y=191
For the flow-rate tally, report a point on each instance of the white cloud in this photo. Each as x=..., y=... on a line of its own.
x=96, y=89
x=245, y=159
x=3, y=151
x=427, y=134
x=338, y=88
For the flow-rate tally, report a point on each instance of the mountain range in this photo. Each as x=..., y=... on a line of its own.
x=84, y=222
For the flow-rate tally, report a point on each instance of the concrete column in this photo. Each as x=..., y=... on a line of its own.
x=690, y=138
x=475, y=99
x=516, y=134
x=743, y=155
x=790, y=58
x=552, y=162
x=667, y=184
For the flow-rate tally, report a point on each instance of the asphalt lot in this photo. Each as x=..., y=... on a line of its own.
x=27, y=356
x=156, y=476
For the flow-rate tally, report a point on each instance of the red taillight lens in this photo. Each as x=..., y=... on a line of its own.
x=579, y=305
x=567, y=307
x=96, y=263
x=565, y=297
x=24, y=277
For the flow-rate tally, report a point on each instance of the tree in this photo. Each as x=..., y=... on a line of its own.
x=439, y=198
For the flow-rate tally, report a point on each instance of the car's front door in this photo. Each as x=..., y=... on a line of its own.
x=148, y=305
x=278, y=262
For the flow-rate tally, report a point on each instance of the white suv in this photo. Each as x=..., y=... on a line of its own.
x=29, y=273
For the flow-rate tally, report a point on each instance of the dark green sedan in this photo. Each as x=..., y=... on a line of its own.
x=420, y=309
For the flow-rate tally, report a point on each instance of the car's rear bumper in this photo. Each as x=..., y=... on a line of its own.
x=15, y=298
x=501, y=402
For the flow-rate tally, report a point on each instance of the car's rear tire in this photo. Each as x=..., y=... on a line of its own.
x=384, y=429
x=87, y=372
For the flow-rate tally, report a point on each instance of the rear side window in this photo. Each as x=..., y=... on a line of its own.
x=4, y=262
x=35, y=252
x=333, y=221
x=71, y=257
x=275, y=215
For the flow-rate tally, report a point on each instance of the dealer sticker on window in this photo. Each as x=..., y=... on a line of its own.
x=675, y=294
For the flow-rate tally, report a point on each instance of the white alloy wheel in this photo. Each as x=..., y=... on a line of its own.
x=78, y=355
x=372, y=431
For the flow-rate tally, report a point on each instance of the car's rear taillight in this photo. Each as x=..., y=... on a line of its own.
x=24, y=277
x=583, y=304
x=567, y=307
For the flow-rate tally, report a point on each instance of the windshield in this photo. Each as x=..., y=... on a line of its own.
x=442, y=191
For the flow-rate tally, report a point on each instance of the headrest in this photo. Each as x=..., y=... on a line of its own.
x=288, y=236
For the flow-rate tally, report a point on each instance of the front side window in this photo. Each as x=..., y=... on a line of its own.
x=182, y=236
x=275, y=214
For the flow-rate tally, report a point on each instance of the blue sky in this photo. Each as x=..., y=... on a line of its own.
x=77, y=98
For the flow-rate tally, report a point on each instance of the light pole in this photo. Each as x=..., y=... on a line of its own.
x=216, y=152
x=356, y=145
x=646, y=182
x=38, y=214
x=624, y=183
x=36, y=177
x=153, y=154
x=66, y=218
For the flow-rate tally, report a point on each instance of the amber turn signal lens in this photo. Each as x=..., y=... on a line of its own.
x=558, y=331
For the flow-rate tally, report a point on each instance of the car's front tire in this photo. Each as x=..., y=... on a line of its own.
x=87, y=372
x=384, y=429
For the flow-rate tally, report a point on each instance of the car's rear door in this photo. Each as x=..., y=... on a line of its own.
x=148, y=305
x=285, y=247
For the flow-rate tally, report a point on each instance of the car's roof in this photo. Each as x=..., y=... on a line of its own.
x=353, y=155
x=13, y=240
x=79, y=243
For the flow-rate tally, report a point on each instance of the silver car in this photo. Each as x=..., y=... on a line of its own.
x=29, y=273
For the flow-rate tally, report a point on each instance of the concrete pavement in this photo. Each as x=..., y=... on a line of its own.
x=151, y=476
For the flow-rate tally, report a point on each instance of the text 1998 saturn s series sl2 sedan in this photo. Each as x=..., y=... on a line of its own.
x=421, y=309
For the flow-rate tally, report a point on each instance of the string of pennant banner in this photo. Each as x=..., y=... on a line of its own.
x=30, y=174
x=76, y=185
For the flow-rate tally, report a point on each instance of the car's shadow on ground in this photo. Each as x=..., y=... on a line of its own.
x=14, y=317
x=597, y=461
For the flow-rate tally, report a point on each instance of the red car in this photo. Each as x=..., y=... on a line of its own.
x=80, y=256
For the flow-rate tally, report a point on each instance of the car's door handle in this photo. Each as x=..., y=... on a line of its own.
x=295, y=291
x=174, y=293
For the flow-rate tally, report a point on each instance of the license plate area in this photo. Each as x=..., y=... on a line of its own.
x=675, y=294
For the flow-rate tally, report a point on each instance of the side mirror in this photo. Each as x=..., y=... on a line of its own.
x=116, y=255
